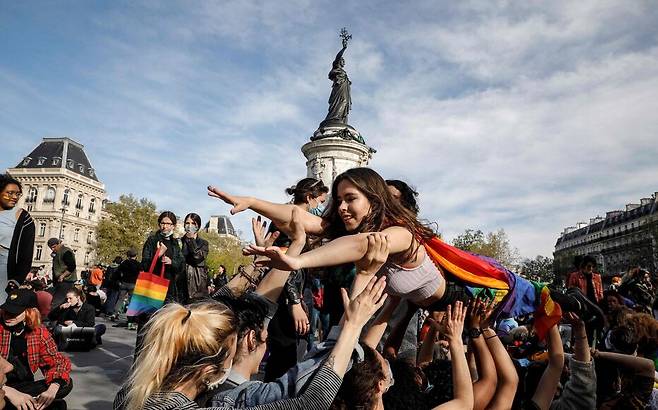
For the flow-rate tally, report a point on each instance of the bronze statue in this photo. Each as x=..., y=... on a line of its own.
x=340, y=100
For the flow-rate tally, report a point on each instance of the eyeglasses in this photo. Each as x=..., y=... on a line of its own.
x=14, y=194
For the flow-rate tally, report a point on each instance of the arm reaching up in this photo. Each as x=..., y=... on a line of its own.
x=549, y=380
x=461, y=378
x=280, y=214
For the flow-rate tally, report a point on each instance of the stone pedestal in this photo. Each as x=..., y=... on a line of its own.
x=328, y=157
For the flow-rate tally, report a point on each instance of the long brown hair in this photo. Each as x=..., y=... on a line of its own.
x=385, y=211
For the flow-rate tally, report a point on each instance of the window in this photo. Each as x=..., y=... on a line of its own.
x=87, y=258
x=31, y=195
x=78, y=205
x=41, y=160
x=42, y=230
x=90, y=236
x=91, y=172
x=81, y=168
x=92, y=205
x=26, y=161
x=70, y=163
x=65, y=200
x=76, y=235
x=50, y=195
x=61, y=234
x=57, y=161
x=39, y=252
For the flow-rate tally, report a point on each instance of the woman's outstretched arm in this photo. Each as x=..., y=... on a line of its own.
x=280, y=214
x=342, y=250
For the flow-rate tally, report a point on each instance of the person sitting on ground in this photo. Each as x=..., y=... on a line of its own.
x=72, y=314
x=28, y=346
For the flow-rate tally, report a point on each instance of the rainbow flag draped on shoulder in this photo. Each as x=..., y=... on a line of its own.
x=515, y=295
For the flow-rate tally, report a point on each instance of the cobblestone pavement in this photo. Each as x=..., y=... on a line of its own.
x=97, y=374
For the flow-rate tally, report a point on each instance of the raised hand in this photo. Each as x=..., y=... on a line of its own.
x=376, y=255
x=261, y=236
x=486, y=314
x=276, y=257
x=296, y=226
x=455, y=321
x=300, y=318
x=360, y=309
x=240, y=203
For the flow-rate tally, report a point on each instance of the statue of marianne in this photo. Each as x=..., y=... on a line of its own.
x=340, y=100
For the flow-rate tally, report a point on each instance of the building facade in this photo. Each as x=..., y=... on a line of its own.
x=64, y=196
x=221, y=225
x=620, y=240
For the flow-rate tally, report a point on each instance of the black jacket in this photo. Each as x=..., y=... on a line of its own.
x=85, y=317
x=21, y=249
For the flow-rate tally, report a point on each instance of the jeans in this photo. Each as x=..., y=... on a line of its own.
x=110, y=303
x=319, y=321
x=36, y=388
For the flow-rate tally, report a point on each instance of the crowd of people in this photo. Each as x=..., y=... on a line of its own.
x=343, y=307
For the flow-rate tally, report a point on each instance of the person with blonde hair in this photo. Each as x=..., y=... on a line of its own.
x=186, y=350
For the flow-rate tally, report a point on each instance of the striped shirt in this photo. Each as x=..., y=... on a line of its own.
x=319, y=396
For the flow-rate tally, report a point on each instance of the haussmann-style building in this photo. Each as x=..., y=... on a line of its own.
x=64, y=196
x=620, y=240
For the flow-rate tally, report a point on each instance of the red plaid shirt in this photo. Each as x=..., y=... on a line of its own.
x=42, y=354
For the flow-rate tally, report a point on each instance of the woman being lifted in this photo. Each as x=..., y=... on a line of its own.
x=360, y=204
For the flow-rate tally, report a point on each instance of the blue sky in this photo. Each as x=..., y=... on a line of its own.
x=525, y=116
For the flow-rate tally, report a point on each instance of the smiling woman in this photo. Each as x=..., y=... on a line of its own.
x=16, y=233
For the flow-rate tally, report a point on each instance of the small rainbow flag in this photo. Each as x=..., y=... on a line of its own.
x=150, y=292
x=518, y=296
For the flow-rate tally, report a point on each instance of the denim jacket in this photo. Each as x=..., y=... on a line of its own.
x=245, y=393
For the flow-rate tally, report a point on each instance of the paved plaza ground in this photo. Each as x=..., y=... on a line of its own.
x=97, y=374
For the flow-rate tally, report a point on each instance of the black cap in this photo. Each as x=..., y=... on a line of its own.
x=19, y=300
x=53, y=241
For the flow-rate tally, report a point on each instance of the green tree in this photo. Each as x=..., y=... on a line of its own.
x=129, y=222
x=223, y=251
x=539, y=269
x=494, y=244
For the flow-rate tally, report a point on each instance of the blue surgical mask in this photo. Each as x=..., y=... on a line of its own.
x=191, y=228
x=318, y=210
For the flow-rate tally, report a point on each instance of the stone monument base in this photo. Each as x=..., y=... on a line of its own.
x=328, y=157
x=330, y=129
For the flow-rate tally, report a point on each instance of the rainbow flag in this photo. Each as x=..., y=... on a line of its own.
x=150, y=292
x=515, y=295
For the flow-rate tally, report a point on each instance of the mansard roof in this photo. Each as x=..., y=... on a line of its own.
x=60, y=153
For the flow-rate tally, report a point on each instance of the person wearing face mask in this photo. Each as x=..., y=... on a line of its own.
x=290, y=326
x=28, y=346
x=194, y=283
x=168, y=250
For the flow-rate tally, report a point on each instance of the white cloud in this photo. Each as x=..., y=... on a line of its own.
x=528, y=116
